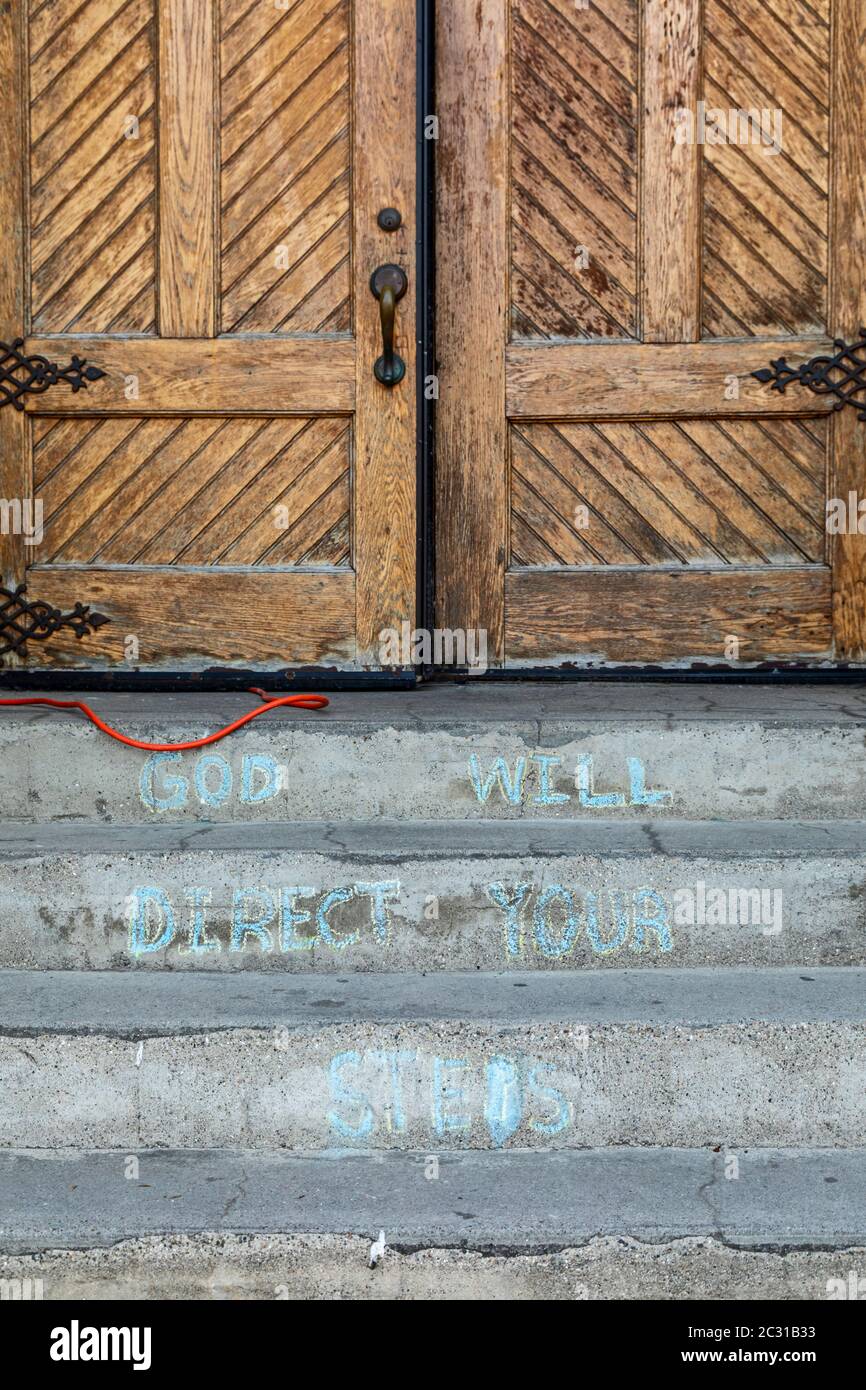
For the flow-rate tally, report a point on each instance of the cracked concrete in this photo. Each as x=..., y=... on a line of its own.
x=68, y=897
x=542, y=1061
x=797, y=752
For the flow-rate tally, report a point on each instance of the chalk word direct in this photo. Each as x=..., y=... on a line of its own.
x=268, y=919
x=262, y=778
x=554, y=922
x=377, y=1092
x=515, y=784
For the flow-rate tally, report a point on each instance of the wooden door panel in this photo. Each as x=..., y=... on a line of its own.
x=574, y=129
x=689, y=492
x=178, y=491
x=766, y=217
x=614, y=484
x=199, y=223
x=286, y=106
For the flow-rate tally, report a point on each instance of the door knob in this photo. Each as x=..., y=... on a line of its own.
x=388, y=284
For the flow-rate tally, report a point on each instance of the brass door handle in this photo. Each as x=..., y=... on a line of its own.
x=388, y=284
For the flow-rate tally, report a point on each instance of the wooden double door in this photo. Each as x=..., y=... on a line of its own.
x=640, y=204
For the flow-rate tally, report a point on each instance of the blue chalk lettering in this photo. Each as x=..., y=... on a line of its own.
x=658, y=922
x=511, y=907
x=378, y=892
x=258, y=927
x=444, y=1092
x=199, y=941
x=290, y=918
x=543, y=938
x=143, y=899
x=586, y=795
x=620, y=915
x=503, y=1106
x=394, y=1114
x=223, y=791
x=259, y=762
x=339, y=895
x=640, y=796
x=550, y=1094
x=511, y=788
x=342, y=1095
x=546, y=796
x=176, y=788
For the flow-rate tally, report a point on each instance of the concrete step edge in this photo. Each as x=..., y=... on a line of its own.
x=133, y=1004
x=392, y=841
x=643, y=702
x=515, y=1202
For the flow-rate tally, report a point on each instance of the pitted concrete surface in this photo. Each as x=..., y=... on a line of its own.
x=336, y=1267
x=519, y=1202
x=567, y=1061
x=71, y=895
x=720, y=752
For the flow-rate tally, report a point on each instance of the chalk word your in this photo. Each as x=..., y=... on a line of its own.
x=641, y=919
x=372, y=1091
x=270, y=919
x=515, y=785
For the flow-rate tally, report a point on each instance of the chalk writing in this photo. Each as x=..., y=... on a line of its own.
x=554, y=922
x=532, y=781
x=387, y=1091
x=266, y=919
x=262, y=778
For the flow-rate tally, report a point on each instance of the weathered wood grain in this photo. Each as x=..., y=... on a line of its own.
x=286, y=168
x=574, y=166
x=92, y=84
x=765, y=209
x=194, y=620
x=384, y=176
x=848, y=472
x=670, y=179
x=14, y=427
x=472, y=316
x=246, y=375
x=583, y=382
x=666, y=615
x=697, y=492
x=187, y=169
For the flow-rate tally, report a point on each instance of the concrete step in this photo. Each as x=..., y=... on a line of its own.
x=479, y=752
x=615, y=1223
x=436, y=895
x=690, y=1058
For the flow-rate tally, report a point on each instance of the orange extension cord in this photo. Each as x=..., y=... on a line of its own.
x=297, y=701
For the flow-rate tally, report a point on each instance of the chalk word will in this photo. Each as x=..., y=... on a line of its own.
x=267, y=919
x=641, y=918
x=262, y=778
x=514, y=785
x=383, y=1091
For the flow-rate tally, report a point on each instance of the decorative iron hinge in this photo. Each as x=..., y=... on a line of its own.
x=21, y=375
x=22, y=621
x=843, y=376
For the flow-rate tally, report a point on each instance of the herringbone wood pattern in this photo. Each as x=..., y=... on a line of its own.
x=201, y=491
x=574, y=169
x=766, y=214
x=92, y=166
x=688, y=492
x=286, y=175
